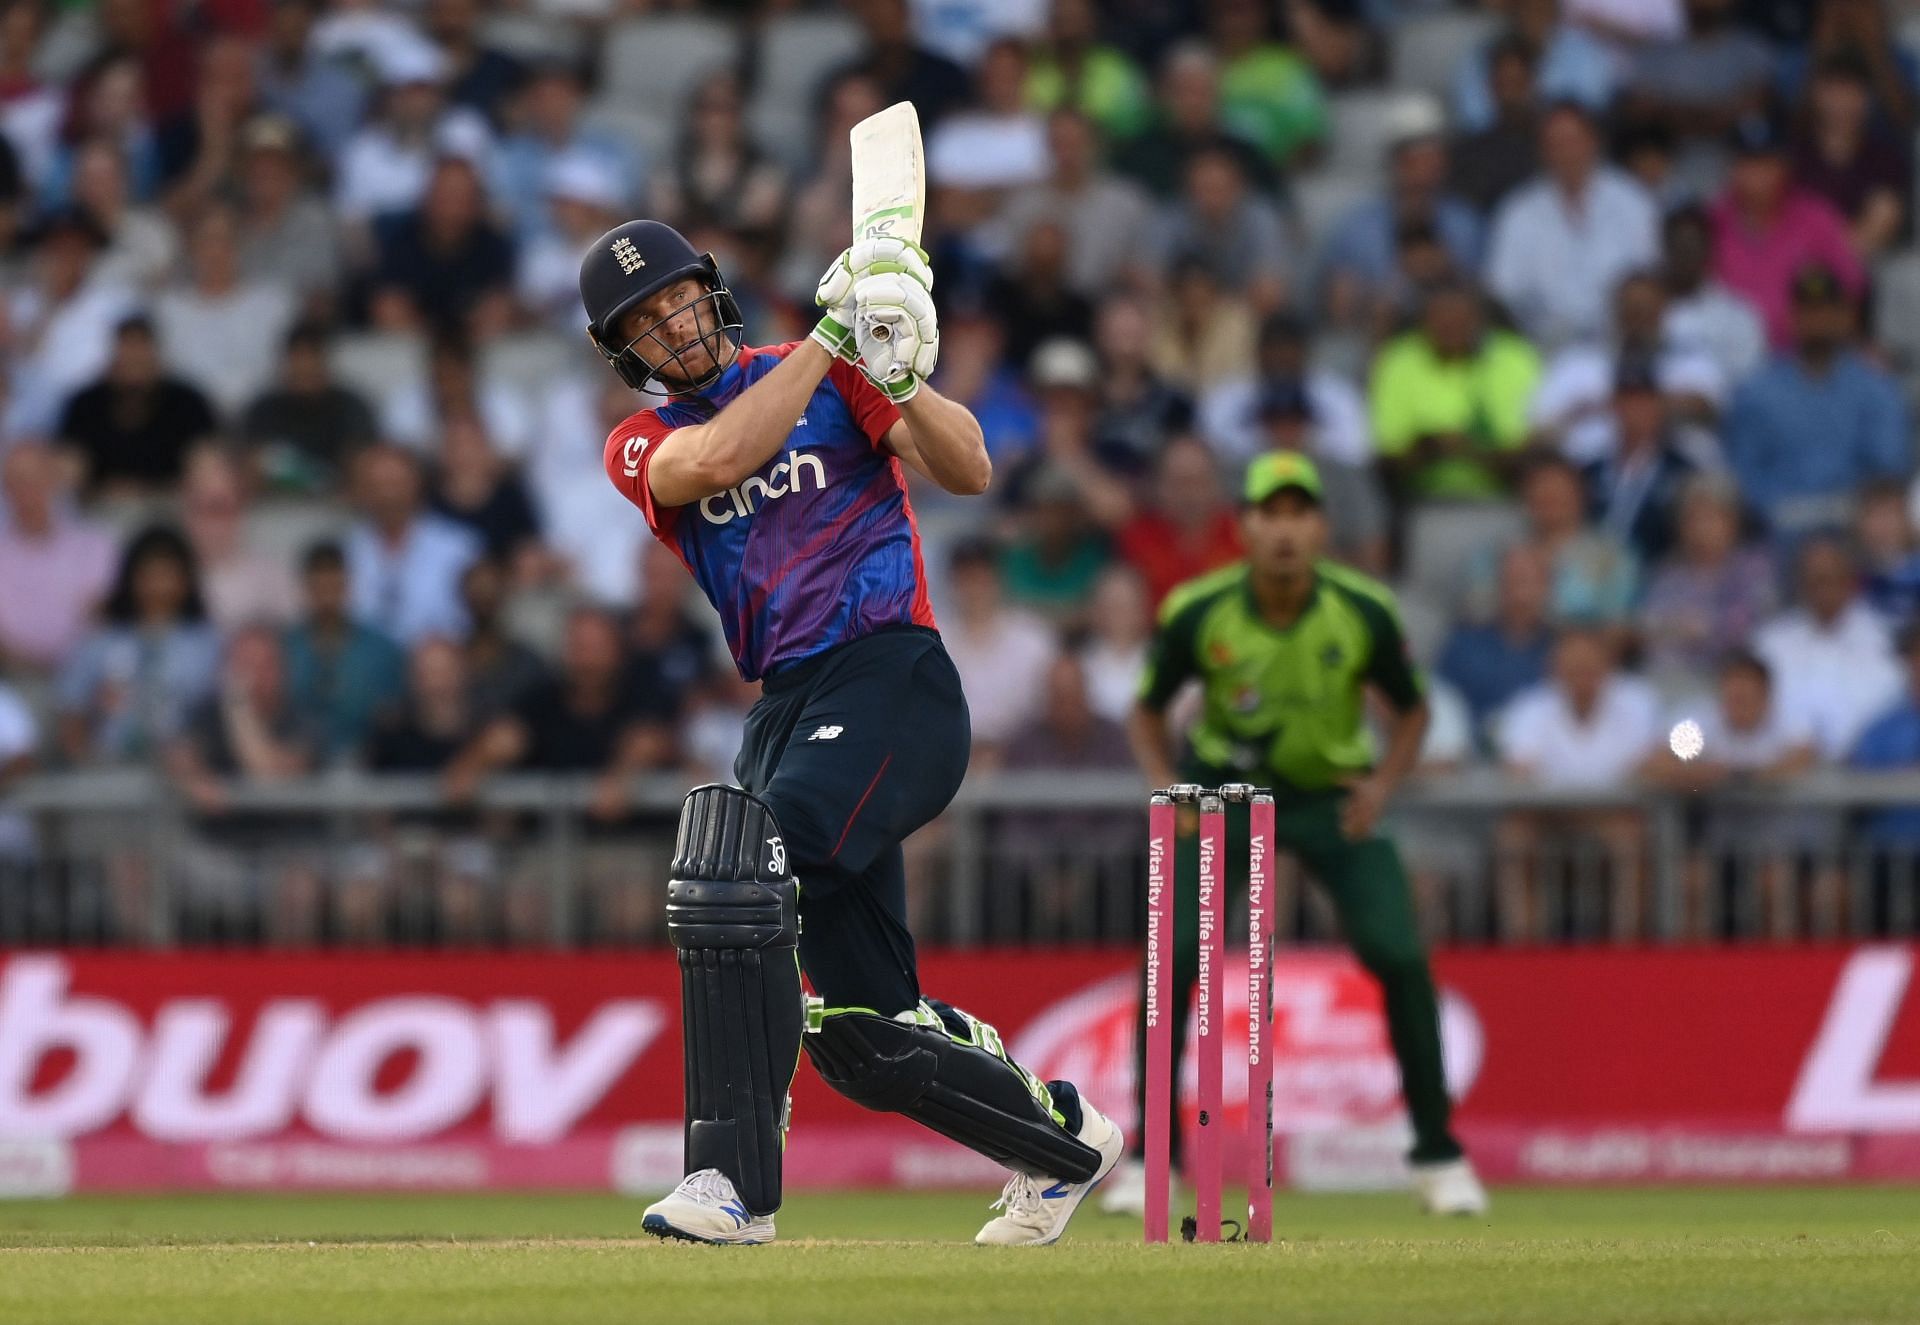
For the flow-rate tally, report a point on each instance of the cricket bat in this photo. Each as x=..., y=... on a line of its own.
x=889, y=178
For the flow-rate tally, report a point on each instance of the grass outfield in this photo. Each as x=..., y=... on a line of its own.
x=1745, y=1256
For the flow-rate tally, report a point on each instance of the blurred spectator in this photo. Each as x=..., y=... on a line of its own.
x=417, y=414
x=125, y=693
x=1701, y=312
x=133, y=427
x=670, y=641
x=1057, y=553
x=903, y=69
x=1574, y=64
x=1853, y=161
x=1575, y=405
x=1449, y=399
x=1710, y=591
x=60, y=320
x=1767, y=230
x=301, y=431
x=254, y=729
x=286, y=232
x=1032, y=298
x=1491, y=161
x=1822, y=388
x=110, y=102
x=404, y=562
x=1230, y=413
x=1189, y=118
x=1883, y=530
x=387, y=163
x=587, y=530
x=1106, y=215
x=1001, y=653
x=220, y=331
x=1188, y=526
x=1892, y=741
x=1268, y=94
x=1561, y=243
x=443, y=266
x=584, y=200
x=1114, y=654
x=718, y=177
x=500, y=670
x=1203, y=335
x=1219, y=222
x=998, y=142
x=1491, y=662
x=1137, y=410
x=1337, y=37
x=1637, y=482
x=1858, y=30
x=242, y=585
x=54, y=566
x=1073, y=69
x=589, y=719
x=297, y=81
x=198, y=144
x=1359, y=266
x=1700, y=83
x=1832, y=653
x=30, y=109
x=1595, y=576
x=340, y=670
x=548, y=130
x=19, y=748
x=822, y=204
x=433, y=722
x=475, y=487
x=142, y=245
x=477, y=75
x=1355, y=506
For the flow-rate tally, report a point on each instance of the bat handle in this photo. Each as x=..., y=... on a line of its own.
x=881, y=332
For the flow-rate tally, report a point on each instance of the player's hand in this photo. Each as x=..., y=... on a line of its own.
x=834, y=294
x=897, y=332
x=1360, y=812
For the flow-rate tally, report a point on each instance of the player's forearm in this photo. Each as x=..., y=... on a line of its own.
x=1152, y=744
x=1404, y=737
x=951, y=446
x=732, y=446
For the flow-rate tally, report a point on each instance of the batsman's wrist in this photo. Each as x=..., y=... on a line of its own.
x=900, y=389
x=836, y=337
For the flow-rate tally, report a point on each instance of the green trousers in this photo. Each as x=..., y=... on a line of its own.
x=1375, y=905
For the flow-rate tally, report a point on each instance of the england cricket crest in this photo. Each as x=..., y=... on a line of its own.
x=627, y=256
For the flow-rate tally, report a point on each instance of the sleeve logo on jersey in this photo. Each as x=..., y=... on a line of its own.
x=786, y=477
x=630, y=456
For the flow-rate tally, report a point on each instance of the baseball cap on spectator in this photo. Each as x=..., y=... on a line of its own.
x=1281, y=471
x=1818, y=284
x=973, y=552
x=580, y=177
x=270, y=133
x=1413, y=120
x=1064, y=363
x=412, y=62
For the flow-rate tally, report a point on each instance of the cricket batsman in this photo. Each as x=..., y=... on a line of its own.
x=775, y=474
x=1286, y=647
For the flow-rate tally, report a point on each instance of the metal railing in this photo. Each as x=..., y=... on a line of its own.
x=1029, y=857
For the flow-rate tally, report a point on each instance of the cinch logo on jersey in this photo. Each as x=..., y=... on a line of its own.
x=745, y=499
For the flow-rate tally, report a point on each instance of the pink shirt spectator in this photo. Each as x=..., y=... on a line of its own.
x=1760, y=264
x=49, y=586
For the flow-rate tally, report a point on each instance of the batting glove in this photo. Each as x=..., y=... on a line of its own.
x=897, y=332
x=869, y=257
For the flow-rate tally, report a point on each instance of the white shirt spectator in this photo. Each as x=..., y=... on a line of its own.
x=1113, y=677
x=1577, y=388
x=1003, y=670
x=19, y=738
x=1555, y=267
x=1229, y=419
x=228, y=345
x=978, y=150
x=1779, y=734
x=413, y=590
x=961, y=29
x=409, y=418
x=586, y=519
x=1540, y=731
x=380, y=172
x=57, y=351
x=1640, y=20
x=1720, y=323
x=1106, y=220
x=1449, y=738
x=1834, y=679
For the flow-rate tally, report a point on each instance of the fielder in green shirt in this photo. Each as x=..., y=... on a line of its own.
x=1286, y=647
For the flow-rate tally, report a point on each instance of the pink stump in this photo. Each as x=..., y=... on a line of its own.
x=1159, y=996
x=1208, y=1007
x=1259, y=1022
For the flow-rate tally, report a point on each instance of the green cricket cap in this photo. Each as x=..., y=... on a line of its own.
x=1277, y=471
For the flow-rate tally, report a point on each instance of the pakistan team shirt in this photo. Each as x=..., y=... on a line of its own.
x=1283, y=705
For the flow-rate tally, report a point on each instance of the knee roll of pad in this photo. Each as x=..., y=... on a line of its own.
x=732, y=911
x=958, y=1089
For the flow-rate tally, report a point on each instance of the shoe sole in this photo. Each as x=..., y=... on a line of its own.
x=659, y=1226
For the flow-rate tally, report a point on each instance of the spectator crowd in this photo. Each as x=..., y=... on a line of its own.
x=1598, y=316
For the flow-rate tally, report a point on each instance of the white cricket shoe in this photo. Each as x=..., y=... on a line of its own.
x=705, y=1208
x=1450, y=1187
x=1035, y=1210
x=1125, y=1190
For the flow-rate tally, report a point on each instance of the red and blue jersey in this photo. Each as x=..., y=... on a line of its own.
x=817, y=548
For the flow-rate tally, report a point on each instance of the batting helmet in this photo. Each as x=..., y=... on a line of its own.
x=630, y=264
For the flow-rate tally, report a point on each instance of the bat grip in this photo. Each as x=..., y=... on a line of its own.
x=881, y=332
